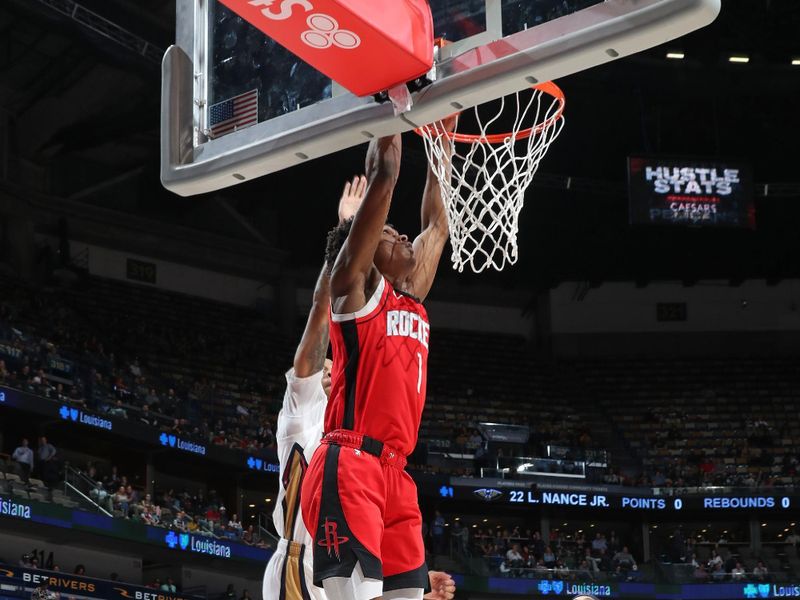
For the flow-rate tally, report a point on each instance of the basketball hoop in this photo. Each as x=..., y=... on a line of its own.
x=483, y=186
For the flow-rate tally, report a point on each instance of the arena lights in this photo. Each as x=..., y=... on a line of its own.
x=796, y=62
x=676, y=55
x=739, y=58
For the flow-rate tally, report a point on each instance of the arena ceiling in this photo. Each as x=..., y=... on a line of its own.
x=85, y=109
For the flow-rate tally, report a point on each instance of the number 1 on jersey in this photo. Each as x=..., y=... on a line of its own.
x=419, y=377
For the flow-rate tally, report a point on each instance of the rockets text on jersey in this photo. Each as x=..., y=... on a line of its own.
x=379, y=376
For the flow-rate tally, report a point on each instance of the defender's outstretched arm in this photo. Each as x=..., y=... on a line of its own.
x=309, y=358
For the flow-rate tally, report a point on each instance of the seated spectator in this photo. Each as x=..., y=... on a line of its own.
x=99, y=494
x=624, y=563
x=133, y=495
x=591, y=561
x=540, y=570
x=43, y=592
x=151, y=515
x=599, y=544
x=27, y=561
x=505, y=569
x=700, y=574
x=213, y=515
x=718, y=574
x=584, y=572
x=760, y=572
x=514, y=557
x=737, y=573
x=168, y=586
x=793, y=538
x=249, y=536
x=715, y=560
x=549, y=558
x=147, y=417
x=121, y=501
x=561, y=571
x=118, y=410
x=235, y=524
x=112, y=480
x=151, y=399
x=181, y=521
x=624, y=558
x=604, y=561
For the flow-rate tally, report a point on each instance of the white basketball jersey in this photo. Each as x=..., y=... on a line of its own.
x=300, y=424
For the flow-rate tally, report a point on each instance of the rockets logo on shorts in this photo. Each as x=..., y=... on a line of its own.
x=332, y=539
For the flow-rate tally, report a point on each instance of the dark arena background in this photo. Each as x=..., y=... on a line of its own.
x=617, y=415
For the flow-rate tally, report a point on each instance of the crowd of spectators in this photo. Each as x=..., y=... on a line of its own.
x=751, y=461
x=214, y=373
x=725, y=557
x=195, y=512
x=526, y=553
x=52, y=348
x=703, y=422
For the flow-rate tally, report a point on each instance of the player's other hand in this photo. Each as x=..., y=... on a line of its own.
x=448, y=124
x=352, y=197
x=442, y=586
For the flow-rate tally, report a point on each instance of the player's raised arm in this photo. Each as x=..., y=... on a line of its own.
x=353, y=271
x=309, y=358
x=429, y=244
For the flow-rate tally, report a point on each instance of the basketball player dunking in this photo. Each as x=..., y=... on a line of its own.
x=289, y=573
x=358, y=502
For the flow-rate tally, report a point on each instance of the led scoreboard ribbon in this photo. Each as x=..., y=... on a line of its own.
x=620, y=501
x=655, y=503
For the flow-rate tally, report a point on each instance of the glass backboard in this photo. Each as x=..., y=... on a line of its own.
x=236, y=105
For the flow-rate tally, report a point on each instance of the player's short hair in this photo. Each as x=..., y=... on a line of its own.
x=336, y=238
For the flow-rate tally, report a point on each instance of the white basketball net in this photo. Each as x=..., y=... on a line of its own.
x=485, y=189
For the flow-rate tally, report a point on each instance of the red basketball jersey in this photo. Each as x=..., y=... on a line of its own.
x=380, y=369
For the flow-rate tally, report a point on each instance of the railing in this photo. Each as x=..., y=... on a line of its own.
x=79, y=486
x=264, y=522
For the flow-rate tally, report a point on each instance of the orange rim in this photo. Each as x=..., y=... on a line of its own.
x=548, y=88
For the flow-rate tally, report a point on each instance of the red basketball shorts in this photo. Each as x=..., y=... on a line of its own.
x=361, y=506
